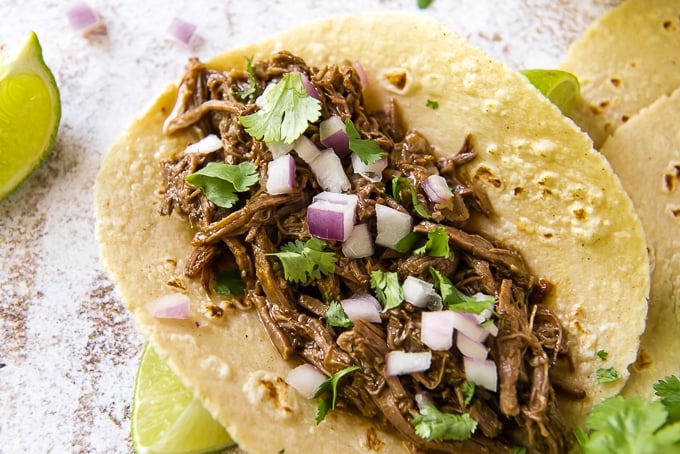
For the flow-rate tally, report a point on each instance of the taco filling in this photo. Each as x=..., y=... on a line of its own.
x=349, y=238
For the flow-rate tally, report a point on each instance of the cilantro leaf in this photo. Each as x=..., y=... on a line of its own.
x=401, y=183
x=229, y=282
x=328, y=393
x=603, y=355
x=407, y=243
x=367, y=150
x=432, y=424
x=422, y=4
x=669, y=392
x=456, y=300
x=304, y=261
x=387, y=289
x=518, y=450
x=252, y=80
x=619, y=424
x=468, y=388
x=434, y=105
x=285, y=112
x=606, y=375
x=220, y=182
x=336, y=316
x=437, y=244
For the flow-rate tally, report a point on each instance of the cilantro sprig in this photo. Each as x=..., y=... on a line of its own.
x=387, y=289
x=220, y=182
x=669, y=392
x=468, y=388
x=336, y=316
x=606, y=375
x=252, y=81
x=328, y=393
x=433, y=424
x=401, y=183
x=437, y=244
x=229, y=282
x=304, y=261
x=367, y=150
x=456, y=300
x=285, y=112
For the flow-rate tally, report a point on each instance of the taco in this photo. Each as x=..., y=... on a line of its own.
x=645, y=154
x=529, y=243
x=625, y=60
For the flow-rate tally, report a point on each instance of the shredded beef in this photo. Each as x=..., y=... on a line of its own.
x=531, y=339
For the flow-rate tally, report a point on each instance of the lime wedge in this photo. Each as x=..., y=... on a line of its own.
x=30, y=110
x=560, y=87
x=166, y=417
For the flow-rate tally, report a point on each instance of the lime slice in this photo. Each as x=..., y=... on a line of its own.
x=30, y=110
x=560, y=87
x=166, y=417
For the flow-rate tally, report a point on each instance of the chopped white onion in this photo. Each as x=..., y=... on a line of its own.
x=481, y=372
x=278, y=149
x=392, y=225
x=362, y=74
x=372, y=172
x=469, y=347
x=423, y=398
x=332, y=134
x=306, y=379
x=329, y=171
x=359, y=244
x=181, y=30
x=172, y=305
x=400, y=362
x=84, y=18
x=468, y=325
x=436, y=329
x=437, y=189
x=331, y=216
x=306, y=149
x=281, y=175
x=362, y=307
x=311, y=89
x=421, y=293
x=206, y=145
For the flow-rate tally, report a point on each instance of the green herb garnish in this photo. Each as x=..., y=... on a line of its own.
x=336, y=316
x=603, y=355
x=401, y=183
x=287, y=109
x=437, y=244
x=304, y=261
x=229, y=282
x=367, y=150
x=220, y=182
x=434, y=105
x=669, y=392
x=407, y=243
x=387, y=289
x=422, y=4
x=328, y=393
x=607, y=375
x=252, y=81
x=456, y=300
x=468, y=388
x=432, y=424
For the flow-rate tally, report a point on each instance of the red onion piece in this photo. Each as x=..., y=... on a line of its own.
x=359, y=244
x=400, y=362
x=173, y=305
x=332, y=219
x=306, y=149
x=311, y=89
x=181, y=30
x=481, y=372
x=373, y=171
x=392, y=225
x=437, y=189
x=329, y=171
x=362, y=307
x=306, y=379
x=362, y=75
x=332, y=134
x=84, y=18
x=278, y=149
x=437, y=330
x=421, y=293
x=469, y=347
x=206, y=145
x=468, y=325
x=281, y=175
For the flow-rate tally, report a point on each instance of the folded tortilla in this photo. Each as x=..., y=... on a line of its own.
x=625, y=60
x=555, y=199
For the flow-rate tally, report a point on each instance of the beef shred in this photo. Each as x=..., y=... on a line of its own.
x=524, y=411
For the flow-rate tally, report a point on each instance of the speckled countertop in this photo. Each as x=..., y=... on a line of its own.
x=68, y=350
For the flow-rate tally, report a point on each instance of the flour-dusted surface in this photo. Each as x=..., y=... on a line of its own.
x=69, y=351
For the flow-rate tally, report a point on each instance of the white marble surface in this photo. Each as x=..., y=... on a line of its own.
x=68, y=350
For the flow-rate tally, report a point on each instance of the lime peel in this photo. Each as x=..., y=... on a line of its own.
x=562, y=88
x=30, y=112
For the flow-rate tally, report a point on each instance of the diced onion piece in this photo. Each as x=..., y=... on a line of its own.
x=359, y=244
x=486, y=313
x=423, y=398
x=481, y=372
x=491, y=328
x=362, y=307
x=373, y=171
x=468, y=325
x=362, y=74
x=206, y=145
x=306, y=379
x=172, y=305
x=421, y=293
x=311, y=89
x=329, y=171
x=332, y=219
x=392, y=225
x=436, y=330
x=181, y=30
x=400, y=362
x=84, y=18
x=469, y=347
x=281, y=175
x=437, y=189
x=278, y=149
x=306, y=149
x=332, y=134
